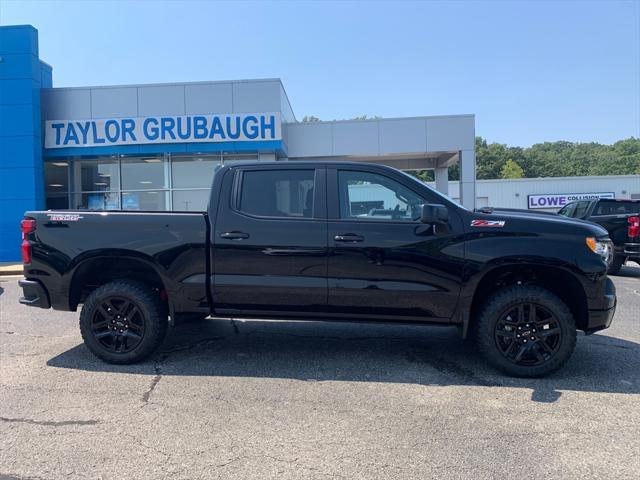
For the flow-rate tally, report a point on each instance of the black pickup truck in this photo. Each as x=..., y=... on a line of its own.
x=325, y=241
x=617, y=217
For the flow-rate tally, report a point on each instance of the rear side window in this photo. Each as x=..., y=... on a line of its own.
x=581, y=209
x=617, y=208
x=277, y=193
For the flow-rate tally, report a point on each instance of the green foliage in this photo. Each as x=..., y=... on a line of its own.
x=310, y=119
x=511, y=170
x=559, y=159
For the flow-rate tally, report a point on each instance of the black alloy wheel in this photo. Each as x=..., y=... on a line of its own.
x=123, y=321
x=525, y=331
x=118, y=325
x=528, y=334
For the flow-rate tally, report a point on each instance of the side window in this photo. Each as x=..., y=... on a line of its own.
x=567, y=210
x=277, y=193
x=370, y=196
x=617, y=208
x=581, y=209
x=631, y=207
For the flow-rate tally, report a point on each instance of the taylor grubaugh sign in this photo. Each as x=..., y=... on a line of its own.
x=226, y=127
x=557, y=200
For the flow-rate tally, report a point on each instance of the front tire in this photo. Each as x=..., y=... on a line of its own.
x=122, y=322
x=526, y=331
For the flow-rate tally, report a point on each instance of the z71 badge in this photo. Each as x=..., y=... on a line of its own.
x=64, y=217
x=488, y=223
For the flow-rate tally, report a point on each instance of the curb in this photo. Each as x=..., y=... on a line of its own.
x=11, y=269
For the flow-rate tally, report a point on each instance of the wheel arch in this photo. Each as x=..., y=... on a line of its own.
x=560, y=281
x=96, y=270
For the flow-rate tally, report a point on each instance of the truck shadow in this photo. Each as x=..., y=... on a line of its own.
x=317, y=351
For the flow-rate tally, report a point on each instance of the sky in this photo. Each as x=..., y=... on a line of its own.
x=530, y=71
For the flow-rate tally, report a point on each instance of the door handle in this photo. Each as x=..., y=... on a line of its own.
x=349, y=238
x=234, y=235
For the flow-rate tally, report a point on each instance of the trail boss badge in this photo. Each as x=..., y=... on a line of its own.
x=64, y=217
x=488, y=223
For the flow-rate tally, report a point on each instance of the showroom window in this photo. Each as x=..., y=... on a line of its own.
x=156, y=183
x=56, y=185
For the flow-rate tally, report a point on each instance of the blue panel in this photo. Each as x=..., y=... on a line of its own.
x=18, y=183
x=159, y=148
x=17, y=120
x=19, y=91
x=22, y=65
x=21, y=172
x=164, y=148
x=18, y=39
x=23, y=151
x=46, y=76
x=10, y=237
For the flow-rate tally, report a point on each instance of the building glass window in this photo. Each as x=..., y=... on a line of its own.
x=99, y=175
x=155, y=200
x=154, y=182
x=191, y=200
x=96, y=201
x=189, y=172
x=56, y=185
x=144, y=173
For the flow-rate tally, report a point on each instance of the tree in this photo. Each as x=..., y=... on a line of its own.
x=310, y=119
x=511, y=170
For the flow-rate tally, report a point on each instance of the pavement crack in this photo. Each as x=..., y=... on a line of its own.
x=190, y=346
x=49, y=423
x=154, y=383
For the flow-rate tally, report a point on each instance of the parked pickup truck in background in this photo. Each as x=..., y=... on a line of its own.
x=617, y=217
x=300, y=240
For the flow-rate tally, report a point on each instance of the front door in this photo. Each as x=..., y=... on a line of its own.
x=383, y=262
x=270, y=241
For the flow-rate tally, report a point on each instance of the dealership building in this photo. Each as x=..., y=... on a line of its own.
x=155, y=146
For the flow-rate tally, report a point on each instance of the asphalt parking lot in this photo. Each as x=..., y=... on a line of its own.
x=249, y=399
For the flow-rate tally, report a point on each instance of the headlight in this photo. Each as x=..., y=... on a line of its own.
x=601, y=247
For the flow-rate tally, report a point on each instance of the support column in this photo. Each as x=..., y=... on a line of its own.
x=442, y=180
x=468, y=178
x=22, y=75
x=267, y=157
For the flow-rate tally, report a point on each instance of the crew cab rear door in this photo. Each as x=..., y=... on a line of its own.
x=270, y=241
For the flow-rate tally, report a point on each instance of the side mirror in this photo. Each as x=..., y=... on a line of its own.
x=434, y=213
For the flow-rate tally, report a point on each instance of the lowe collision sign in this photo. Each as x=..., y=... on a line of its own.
x=557, y=200
x=231, y=127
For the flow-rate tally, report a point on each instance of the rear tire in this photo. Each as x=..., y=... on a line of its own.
x=525, y=331
x=616, y=264
x=122, y=322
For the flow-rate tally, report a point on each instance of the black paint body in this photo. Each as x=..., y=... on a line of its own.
x=229, y=263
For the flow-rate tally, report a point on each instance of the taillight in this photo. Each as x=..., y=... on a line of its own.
x=26, y=226
x=634, y=227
